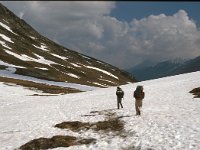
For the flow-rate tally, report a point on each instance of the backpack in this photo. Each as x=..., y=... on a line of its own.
x=120, y=93
x=138, y=93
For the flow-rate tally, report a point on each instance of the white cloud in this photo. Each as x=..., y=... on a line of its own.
x=166, y=37
x=88, y=28
x=21, y=14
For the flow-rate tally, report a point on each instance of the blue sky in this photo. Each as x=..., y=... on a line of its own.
x=127, y=10
x=122, y=33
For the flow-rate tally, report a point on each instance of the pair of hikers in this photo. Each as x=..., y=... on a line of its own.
x=138, y=95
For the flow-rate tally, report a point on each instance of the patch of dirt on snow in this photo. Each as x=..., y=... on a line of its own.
x=112, y=123
x=43, y=95
x=196, y=92
x=73, y=125
x=54, y=142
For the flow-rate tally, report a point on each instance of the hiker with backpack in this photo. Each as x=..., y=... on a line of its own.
x=120, y=95
x=139, y=96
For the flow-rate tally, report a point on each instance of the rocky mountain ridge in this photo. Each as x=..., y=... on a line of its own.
x=165, y=68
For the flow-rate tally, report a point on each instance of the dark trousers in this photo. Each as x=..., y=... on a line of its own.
x=119, y=102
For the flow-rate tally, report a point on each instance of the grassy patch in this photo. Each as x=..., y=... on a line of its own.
x=2, y=67
x=196, y=92
x=73, y=125
x=42, y=95
x=51, y=89
x=54, y=142
x=112, y=123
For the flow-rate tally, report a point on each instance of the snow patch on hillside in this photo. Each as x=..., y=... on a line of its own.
x=11, y=69
x=4, y=45
x=61, y=57
x=75, y=65
x=42, y=60
x=73, y=75
x=21, y=57
x=7, y=27
x=101, y=70
x=85, y=57
x=6, y=38
x=107, y=81
x=9, y=65
x=24, y=57
x=100, y=62
x=102, y=85
x=5, y=21
x=42, y=47
x=32, y=37
x=41, y=68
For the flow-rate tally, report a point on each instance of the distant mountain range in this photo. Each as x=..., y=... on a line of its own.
x=25, y=52
x=166, y=68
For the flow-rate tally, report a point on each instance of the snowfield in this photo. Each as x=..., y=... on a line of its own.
x=169, y=121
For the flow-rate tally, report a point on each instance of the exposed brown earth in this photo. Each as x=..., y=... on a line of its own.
x=39, y=86
x=112, y=123
x=54, y=142
x=73, y=125
x=196, y=92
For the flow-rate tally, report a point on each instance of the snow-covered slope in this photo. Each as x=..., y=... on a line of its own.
x=170, y=116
